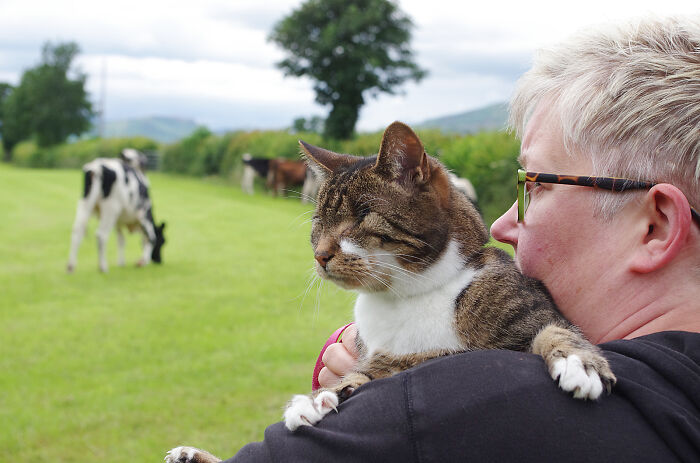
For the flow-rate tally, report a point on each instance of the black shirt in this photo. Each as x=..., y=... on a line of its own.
x=501, y=406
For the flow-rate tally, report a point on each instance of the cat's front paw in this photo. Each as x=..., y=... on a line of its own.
x=189, y=455
x=304, y=410
x=586, y=380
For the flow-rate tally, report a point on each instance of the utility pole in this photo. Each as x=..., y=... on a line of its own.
x=103, y=96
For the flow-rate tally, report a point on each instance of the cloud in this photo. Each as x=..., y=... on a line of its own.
x=211, y=61
x=210, y=111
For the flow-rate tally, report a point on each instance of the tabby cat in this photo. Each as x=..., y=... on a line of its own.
x=393, y=228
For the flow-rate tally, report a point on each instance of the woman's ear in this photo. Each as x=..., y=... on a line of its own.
x=666, y=213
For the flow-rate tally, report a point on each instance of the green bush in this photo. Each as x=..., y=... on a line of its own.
x=186, y=157
x=28, y=154
x=489, y=161
x=74, y=155
x=204, y=153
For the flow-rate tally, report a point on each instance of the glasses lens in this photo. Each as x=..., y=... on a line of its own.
x=526, y=199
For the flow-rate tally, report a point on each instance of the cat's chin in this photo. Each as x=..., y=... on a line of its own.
x=345, y=283
x=353, y=284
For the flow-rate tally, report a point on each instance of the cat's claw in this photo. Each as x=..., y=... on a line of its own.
x=574, y=377
x=304, y=410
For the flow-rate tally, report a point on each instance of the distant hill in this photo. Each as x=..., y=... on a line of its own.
x=162, y=129
x=493, y=117
x=172, y=129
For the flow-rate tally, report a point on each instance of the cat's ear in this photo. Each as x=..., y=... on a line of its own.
x=324, y=161
x=402, y=157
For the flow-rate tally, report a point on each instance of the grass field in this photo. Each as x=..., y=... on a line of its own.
x=202, y=350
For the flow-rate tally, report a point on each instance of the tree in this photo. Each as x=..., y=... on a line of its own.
x=348, y=48
x=314, y=124
x=47, y=103
x=5, y=90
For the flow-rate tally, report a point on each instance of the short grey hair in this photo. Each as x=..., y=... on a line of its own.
x=628, y=98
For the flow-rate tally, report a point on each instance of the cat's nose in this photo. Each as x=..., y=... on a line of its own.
x=322, y=257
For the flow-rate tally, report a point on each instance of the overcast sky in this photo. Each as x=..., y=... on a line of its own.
x=209, y=60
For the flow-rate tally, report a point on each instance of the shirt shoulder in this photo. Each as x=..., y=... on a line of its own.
x=503, y=406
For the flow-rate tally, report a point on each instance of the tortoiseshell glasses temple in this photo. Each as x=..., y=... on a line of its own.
x=605, y=183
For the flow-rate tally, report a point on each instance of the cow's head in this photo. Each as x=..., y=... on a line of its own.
x=160, y=241
x=134, y=158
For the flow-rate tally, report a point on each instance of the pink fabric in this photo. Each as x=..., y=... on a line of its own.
x=319, y=362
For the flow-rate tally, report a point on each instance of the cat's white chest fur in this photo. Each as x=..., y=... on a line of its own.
x=422, y=317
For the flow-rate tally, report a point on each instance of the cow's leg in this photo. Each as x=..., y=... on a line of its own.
x=120, y=247
x=248, y=180
x=280, y=185
x=147, y=240
x=82, y=215
x=272, y=181
x=108, y=218
x=147, y=251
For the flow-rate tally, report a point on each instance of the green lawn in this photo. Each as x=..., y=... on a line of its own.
x=203, y=350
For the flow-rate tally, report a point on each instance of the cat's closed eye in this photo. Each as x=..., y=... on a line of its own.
x=386, y=239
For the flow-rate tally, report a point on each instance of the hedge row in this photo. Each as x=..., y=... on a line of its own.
x=488, y=159
x=74, y=155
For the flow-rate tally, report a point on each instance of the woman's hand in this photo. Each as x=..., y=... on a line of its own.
x=339, y=358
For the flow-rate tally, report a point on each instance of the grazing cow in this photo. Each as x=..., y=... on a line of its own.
x=252, y=167
x=117, y=191
x=284, y=174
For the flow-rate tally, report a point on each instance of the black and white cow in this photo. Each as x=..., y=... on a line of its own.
x=252, y=167
x=117, y=191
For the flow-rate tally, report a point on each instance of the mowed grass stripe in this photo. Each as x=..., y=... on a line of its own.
x=203, y=350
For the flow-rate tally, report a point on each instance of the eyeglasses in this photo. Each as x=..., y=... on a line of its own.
x=605, y=183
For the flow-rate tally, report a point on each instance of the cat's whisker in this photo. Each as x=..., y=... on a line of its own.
x=407, y=257
x=291, y=193
x=374, y=276
x=406, y=271
x=291, y=222
x=299, y=195
x=314, y=280
x=413, y=275
x=413, y=259
x=309, y=198
x=310, y=281
x=399, y=269
x=319, y=287
x=317, y=303
x=398, y=277
x=384, y=283
x=309, y=221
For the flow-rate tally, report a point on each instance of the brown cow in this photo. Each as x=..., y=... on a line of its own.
x=283, y=174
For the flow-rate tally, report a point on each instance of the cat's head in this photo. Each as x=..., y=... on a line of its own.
x=382, y=220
